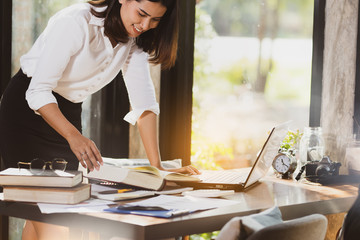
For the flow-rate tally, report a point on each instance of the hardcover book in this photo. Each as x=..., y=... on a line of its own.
x=49, y=178
x=58, y=195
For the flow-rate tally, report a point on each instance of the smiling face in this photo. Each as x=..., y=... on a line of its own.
x=138, y=17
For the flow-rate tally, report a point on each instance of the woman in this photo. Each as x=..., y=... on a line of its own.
x=350, y=229
x=81, y=50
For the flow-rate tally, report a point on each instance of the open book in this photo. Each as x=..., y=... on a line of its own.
x=147, y=177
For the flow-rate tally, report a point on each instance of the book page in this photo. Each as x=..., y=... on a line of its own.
x=134, y=162
x=126, y=162
x=148, y=169
x=172, y=176
x=109, y=173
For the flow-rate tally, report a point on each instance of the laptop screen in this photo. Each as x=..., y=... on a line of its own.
x=268, y=152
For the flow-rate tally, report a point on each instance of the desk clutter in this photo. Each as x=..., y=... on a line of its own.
x=167, y=203
x=61, y=192
x=163, y=204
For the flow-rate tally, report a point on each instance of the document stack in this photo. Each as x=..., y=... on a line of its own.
x=47, y=187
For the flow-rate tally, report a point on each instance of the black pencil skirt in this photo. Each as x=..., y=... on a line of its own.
x=24, y=135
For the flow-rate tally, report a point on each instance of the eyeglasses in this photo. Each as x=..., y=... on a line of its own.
x=38, y=165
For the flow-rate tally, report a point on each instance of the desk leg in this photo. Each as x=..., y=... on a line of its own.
x=76, y=234
x=4, y=227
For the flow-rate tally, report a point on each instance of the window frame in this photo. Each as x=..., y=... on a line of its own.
x=5, y=43
x=317, y=62
x=176, y=92
x=356, y=126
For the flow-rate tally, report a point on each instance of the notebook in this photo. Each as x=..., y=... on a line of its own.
x=240, y=179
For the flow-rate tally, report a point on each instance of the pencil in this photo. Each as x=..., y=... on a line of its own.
x=116, y=191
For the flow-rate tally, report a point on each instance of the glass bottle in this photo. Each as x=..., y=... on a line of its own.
x=352, y=154
x=311, y=148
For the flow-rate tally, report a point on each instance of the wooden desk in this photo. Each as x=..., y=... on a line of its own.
x=294, y=199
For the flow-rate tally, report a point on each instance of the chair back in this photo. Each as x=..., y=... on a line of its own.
x=311, y=227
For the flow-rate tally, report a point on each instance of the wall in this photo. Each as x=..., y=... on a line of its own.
x=339, y=76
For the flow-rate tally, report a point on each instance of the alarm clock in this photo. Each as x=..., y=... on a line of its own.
x=284, y=165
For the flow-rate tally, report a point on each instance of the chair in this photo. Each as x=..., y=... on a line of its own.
x=312, y=227
x=270, y=226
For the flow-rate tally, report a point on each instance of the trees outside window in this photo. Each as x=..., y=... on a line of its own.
x=252, y=70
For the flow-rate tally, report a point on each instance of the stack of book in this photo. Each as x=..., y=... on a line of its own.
x=49, y=187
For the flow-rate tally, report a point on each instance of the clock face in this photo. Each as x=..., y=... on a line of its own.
x=282, y=163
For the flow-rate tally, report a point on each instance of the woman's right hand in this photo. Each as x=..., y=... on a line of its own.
x=189, y=169
x=86, y=151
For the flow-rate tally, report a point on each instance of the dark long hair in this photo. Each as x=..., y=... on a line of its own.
x=161, y=42
x=351, y=225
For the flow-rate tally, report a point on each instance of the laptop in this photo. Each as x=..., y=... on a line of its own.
x=241, y=179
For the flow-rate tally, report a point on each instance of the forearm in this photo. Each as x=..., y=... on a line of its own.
x=147, y=125
x=84, y=149
x=53, y=116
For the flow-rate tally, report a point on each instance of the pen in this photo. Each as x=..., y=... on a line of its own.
x=116, y=191
x=142, y=208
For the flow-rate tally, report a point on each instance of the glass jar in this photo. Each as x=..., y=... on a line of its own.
x=352, y=154
x=312, y=145
x=311, y=148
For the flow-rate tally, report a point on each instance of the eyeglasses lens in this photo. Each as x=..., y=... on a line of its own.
x=37, y=166
x=59, y=164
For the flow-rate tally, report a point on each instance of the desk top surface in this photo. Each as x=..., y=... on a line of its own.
x=294, y=200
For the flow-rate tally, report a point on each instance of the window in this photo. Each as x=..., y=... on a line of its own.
x=29, y=19
x=252, y=70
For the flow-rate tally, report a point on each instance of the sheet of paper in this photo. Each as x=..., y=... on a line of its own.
x=208, y=193
x=134, y=162
x=174, y=191
x=184, y=203
x=91, y=205
x=96, y=188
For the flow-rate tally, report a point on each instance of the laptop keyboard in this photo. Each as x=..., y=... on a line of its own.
x=223, y=176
